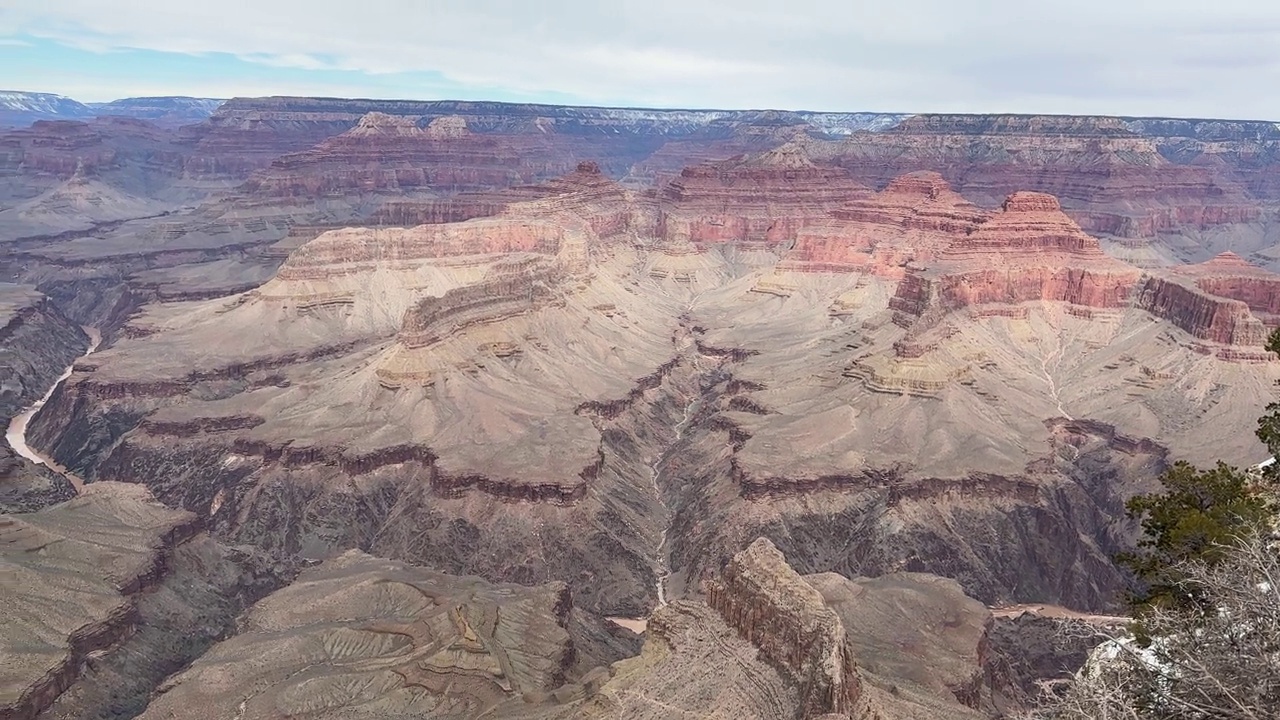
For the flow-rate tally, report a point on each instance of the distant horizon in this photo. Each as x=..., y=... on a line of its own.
x=89, y=103
x=1084, y=58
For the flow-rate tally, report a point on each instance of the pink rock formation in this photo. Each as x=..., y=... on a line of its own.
x=1111, y=180
x=390, y=153
x=1225, y=300
x=585, y=192
x=1028, y=251
x=911, y=220
x=63, y=148
x=763, y=199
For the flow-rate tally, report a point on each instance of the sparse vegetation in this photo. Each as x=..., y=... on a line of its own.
x=1205, y=644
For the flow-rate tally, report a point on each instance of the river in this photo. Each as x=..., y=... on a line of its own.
x=16, y=435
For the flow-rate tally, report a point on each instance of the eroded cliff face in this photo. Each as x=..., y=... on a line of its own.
x=412, y=641
x=907, y=224
x=1115, y=177
x=77, y=572
x=533, y=394
x=900, y=645
x=1028, y=251
x=777, y=611
x=37, y=342
x=762, y=199
x=391, y=153
x=1225, y=300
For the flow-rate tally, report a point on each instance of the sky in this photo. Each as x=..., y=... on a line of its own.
x=1177, y=58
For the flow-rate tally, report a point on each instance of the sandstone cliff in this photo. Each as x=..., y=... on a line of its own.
x=762, y=199
x=776, y=610
x=1225, y=300
x=1028, y=251
x=1116, y=177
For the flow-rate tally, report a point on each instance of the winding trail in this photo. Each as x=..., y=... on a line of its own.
x=16, y=435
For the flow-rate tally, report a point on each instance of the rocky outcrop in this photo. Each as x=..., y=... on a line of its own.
x=1028, y=251
x=1114, y=176
x=386, y=153
x=778, y=612
x=204, y=587
x=907, y=224
x=763, y=199
x=37, y=343
x=76, y=571
x=406, y=640
x=1225, y=300
x=920, y=637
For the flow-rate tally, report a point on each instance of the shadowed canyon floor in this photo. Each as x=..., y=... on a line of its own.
x=441, y=387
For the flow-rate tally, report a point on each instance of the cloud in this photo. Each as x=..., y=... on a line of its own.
x=1186, y=58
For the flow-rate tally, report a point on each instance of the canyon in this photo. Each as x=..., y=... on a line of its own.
x=399, y=403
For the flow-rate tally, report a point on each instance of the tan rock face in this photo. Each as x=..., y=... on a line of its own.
x=71, y=573
x=360, y=637
x=774, y=608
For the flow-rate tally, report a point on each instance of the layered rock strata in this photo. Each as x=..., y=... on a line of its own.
x=762, y=199
x=1028, y=251
x=362, y=637
x=37, y=343
x=1114, y=177
x=907, y=224
x=774, y=608
x=391, y=153
x=74, y=573
x=1225, y=300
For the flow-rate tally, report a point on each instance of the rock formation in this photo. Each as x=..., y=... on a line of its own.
x=363, y=637
x=1028, y=251
x=908, y=223
x=763, y=199
x=36, y=343
x=73, y=576
x=391, y=153
x=1225, y=300
x=775, y=609
x=448, y=335
x=1115, y=178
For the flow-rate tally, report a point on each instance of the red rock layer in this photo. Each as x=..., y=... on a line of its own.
x=61, y=148
x=764, y=199
x=1110, y=180
x=910, y=221
x=1225, y=300
x=586, y=192
x=390, y=153
x=1028, y=251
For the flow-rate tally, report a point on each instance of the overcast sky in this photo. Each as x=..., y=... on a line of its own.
x=1186, y=58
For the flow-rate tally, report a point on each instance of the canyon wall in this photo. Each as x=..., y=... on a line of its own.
x=37, y=342
x=777, y=611
x=104, y=549
x=761, y=199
